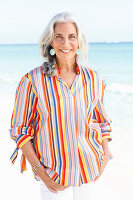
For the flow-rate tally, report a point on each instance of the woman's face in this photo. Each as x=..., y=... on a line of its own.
x=65, y=42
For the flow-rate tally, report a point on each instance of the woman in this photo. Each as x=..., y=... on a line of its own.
x=58, y=120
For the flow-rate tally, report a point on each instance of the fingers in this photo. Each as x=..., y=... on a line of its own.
x=52, y=190
x=96, y=178
x=55, y=187
x=60, y=187
x=105, y=161
x=51, y=184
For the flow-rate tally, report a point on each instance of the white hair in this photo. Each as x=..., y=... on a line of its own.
x=48, y=35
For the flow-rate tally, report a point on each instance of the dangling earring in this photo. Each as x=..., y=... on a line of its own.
x=78, y=52
x=52, y=52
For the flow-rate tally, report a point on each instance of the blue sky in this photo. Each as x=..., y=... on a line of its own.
x=101, y=20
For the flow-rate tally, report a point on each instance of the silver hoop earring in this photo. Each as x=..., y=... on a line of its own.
x=52, y=52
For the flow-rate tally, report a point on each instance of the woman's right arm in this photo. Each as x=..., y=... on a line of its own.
x=22, y=129
x=31, y=156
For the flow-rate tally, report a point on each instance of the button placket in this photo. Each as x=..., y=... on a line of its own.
x=61, y=80
x=71, y=94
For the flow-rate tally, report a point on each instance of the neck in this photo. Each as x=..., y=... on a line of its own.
x=66, y=66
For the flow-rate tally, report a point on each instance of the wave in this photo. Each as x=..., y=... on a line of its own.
x=9, y=78
x=120, y=88
x=113, y=87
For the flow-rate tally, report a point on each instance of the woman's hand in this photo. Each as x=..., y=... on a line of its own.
x=51, y=185
x=105, y=158
x=105, y=161
x=31, y=156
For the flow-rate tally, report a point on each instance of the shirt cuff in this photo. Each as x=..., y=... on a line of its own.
x=22, y=139
x=106, y=135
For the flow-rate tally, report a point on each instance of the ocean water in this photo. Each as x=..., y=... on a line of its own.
x=113, y=60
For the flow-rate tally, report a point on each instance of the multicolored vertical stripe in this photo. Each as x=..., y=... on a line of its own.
x=66, y=124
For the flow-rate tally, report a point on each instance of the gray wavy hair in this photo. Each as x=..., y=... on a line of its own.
x=46, y=38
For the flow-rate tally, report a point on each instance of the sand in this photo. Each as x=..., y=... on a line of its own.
x=115, y=183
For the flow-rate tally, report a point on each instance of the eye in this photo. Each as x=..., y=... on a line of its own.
x=72, y=36
x=58, y=36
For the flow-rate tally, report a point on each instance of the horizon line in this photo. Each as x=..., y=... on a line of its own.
x=107, y=42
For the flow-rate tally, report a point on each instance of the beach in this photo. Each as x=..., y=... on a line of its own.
x=115, y=182
x=114, y=62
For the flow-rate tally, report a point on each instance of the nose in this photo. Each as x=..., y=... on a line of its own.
x=65, y=41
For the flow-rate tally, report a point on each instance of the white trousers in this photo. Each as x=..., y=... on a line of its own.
x=71, y=193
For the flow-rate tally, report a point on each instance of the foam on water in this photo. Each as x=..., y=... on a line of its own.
x=8, y=78
x=120, y=88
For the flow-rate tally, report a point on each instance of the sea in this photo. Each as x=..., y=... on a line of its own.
x=115, y=63
x=113, y=60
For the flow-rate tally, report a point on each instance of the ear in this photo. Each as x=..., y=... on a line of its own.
x=51, y=44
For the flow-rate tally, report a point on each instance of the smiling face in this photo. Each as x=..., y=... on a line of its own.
x=65, y=41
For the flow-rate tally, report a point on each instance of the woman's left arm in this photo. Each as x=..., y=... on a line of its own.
x=105, y=158
x=104, y=122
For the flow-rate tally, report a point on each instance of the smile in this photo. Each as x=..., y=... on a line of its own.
x=65, y=51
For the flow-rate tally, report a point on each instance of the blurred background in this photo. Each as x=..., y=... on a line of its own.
x=109, y=31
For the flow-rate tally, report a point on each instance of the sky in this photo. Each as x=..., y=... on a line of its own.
x=101, y=20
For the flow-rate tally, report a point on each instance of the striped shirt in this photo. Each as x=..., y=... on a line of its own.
x=66, y=125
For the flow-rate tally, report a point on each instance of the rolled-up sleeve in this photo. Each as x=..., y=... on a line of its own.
x=23, y=116
x=100, y=116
